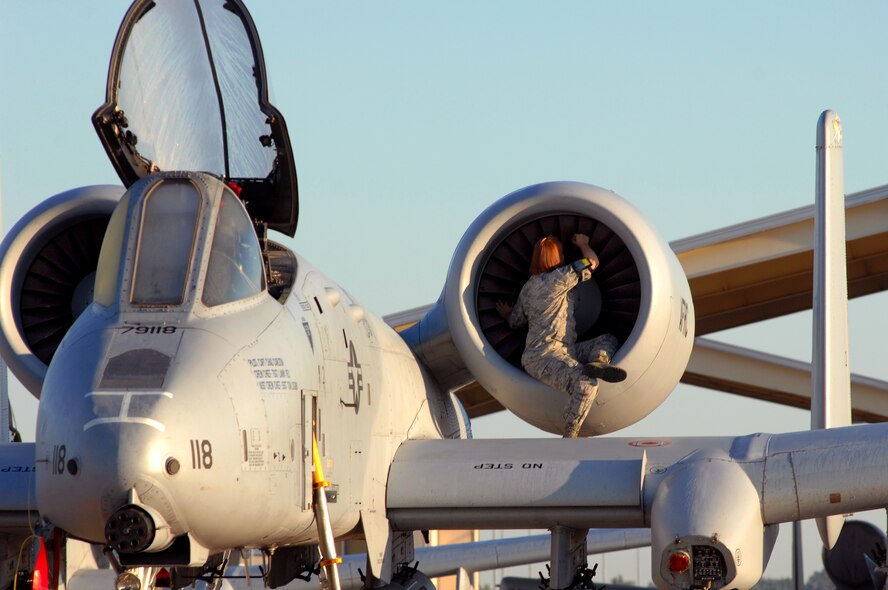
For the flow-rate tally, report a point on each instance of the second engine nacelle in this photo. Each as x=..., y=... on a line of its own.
x=47, y=267
x=639, y=294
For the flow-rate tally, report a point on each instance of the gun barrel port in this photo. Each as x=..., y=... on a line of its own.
x=130, y=530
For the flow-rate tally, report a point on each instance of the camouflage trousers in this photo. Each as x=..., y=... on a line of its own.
x=564, y=372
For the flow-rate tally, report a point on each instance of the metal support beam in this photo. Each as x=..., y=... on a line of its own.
x=568, y=555
x=768, y=377
x=763, y=269
x=798, y=570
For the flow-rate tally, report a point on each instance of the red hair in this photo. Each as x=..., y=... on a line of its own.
x=547, y=254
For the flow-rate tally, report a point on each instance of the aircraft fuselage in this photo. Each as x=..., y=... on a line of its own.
x=195, y=412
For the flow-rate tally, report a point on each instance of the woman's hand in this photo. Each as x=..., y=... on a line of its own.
x=504, y=309
x=580, y=240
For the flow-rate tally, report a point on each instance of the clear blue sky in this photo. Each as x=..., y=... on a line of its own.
x=409, y=118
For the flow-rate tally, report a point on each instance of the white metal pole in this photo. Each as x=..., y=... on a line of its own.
x=798, y=570
x=830, y=376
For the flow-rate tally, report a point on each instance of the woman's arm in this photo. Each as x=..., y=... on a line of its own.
x=514, y=316
x=581, y=241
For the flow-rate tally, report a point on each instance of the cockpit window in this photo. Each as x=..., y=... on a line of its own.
x=166, y=241
x=108, y=269
x=235, y=269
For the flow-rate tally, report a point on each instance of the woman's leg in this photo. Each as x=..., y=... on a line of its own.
x=588, y=351
x=566, y=374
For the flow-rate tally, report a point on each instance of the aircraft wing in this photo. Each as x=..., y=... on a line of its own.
x=615, y=482
x=17, y=513
x=763, y=268
x=752, y=373
x=713, y=496
x=17, y=505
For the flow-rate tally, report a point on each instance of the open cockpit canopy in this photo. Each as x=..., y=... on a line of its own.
x=187, y=91
x=175, y=239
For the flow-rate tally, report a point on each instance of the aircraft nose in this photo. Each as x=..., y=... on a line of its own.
x=101, y=446
x=102, y=481
x=122, y=456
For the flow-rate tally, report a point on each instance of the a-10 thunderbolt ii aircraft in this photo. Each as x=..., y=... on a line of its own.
x=204, y=389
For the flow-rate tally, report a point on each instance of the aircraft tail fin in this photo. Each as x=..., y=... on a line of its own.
x=831, y=378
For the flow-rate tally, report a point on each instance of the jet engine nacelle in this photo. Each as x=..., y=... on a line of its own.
x=639, y=294
x=47, y=268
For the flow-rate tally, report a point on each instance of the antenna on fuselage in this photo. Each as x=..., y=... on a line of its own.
x=830, y=376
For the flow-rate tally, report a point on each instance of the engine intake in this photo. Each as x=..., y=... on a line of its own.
x=609, y=304
x=639, y=294
x=47, y=266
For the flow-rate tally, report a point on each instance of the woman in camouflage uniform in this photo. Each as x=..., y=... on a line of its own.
x=552, y=353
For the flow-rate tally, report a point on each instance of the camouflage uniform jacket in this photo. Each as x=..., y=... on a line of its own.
x=546, y=305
